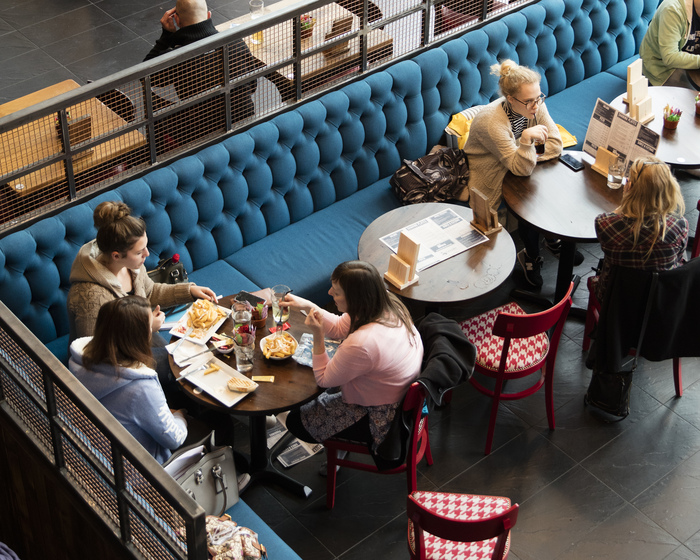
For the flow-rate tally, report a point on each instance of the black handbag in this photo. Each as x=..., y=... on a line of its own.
x=208, y=477
x=436, y=177
x=169, y=271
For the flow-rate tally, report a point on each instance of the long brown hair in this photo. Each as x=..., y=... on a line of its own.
x=367, y=298
x=117, y=229
x=651, y=195
x=122, y=334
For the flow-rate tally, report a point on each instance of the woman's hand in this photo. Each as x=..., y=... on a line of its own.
x=535, y=134
x=314, y=320
x=200, y=292
x=296, y=302
x=158, y=319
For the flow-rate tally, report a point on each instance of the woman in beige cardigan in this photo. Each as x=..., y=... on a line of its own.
x=505, y=136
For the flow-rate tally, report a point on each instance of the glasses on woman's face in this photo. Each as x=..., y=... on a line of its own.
x=532, y=103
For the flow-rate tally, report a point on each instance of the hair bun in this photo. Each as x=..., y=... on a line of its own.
x=109, y=212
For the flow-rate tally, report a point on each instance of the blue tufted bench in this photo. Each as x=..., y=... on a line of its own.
x=287, y=200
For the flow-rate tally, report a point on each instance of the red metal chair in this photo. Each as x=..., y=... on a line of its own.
x=512, y=344
x=419, y=445
x=443, y=526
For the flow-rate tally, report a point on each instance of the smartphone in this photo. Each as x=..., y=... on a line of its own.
x=250, y=298
x=571, y=162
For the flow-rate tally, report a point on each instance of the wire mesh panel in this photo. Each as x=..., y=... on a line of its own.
x=120, y=491
x=257, y=68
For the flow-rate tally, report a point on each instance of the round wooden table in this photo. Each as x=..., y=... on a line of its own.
x=294, y=386
x=680, y=147
x=563, y=202
x=463, y=277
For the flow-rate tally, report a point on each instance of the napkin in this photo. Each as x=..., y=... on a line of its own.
x=185, y=352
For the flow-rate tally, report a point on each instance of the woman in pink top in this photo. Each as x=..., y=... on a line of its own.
x=379, y=357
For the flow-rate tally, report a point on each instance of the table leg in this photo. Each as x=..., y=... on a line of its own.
x=261, y=468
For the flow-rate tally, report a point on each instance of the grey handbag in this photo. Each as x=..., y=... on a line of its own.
x=210, y=478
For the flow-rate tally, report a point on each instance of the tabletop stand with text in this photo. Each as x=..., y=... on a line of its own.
x=638, y=93
x=402, y=265
x=485, y=218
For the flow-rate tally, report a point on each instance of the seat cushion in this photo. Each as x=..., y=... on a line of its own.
x=524, y=352
x=461, y=507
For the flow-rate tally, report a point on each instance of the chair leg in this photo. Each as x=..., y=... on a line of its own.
x=678, y=377
x=549, y=395
x=494, y=412
x=428, y=454
x=331, y=456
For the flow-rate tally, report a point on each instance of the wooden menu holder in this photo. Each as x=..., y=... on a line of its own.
x=638, y=93
x=402, y=265
x=602, y=161
x=485, y=218
x=340, y=26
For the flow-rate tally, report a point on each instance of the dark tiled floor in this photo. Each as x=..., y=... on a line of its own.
x=625, y=490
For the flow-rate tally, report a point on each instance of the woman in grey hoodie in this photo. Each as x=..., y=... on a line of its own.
x=116, y=366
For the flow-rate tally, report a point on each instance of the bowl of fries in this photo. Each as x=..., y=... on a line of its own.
x=278, y=346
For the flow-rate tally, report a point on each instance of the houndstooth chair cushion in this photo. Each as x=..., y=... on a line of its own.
x=462, y=507
x=523, y=353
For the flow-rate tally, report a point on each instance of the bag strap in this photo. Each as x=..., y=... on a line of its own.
x=220, y=485
x=413, y=167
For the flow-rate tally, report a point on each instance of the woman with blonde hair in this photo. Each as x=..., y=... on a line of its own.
x=505, y=136
x=648, y=230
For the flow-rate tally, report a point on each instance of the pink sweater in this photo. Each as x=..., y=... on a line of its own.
x=373, y=366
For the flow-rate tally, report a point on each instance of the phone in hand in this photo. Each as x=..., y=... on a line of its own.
x=571, y=162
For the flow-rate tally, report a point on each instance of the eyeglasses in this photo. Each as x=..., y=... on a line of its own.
x=532, y=103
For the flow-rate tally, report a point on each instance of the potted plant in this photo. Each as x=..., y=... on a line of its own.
x=671, y=117
x=307, y=25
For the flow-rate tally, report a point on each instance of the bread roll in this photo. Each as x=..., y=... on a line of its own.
x=241, y=385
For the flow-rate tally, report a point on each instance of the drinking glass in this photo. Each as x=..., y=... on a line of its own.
x=244, y=348
x=257, y=9
x=615, y=172
x=280, y=313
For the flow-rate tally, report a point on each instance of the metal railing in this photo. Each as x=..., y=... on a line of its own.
x=91, y=138
x=86, y=446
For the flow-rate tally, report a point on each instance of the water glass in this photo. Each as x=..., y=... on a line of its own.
x=257, y=9
x=244, y=348
x=615, y=173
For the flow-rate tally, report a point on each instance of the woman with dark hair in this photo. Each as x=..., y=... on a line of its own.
x=379, y=357
x=112, y=266
x=116, y=366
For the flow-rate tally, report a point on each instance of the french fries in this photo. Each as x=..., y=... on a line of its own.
x=202, y=315
x=211, y=369
x=280, y=346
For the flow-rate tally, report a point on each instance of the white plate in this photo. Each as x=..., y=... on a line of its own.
x=181, y=328
x=262, y=345
x=215, y=384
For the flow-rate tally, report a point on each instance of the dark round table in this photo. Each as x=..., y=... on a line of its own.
x=563, y=202
x=294, y=386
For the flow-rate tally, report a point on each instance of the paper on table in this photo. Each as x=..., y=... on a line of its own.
x=185, y=352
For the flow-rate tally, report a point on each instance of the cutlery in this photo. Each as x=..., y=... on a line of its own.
x=200, y=368
x=189, y=331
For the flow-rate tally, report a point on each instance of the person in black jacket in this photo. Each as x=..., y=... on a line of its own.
x=190, y=21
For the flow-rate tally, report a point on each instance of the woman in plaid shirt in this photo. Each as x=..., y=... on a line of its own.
x=648, y=230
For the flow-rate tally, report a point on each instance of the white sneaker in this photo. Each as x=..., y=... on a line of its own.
x=243, y=480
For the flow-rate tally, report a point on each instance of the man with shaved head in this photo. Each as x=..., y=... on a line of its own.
x=190, y=21
x=187, y=22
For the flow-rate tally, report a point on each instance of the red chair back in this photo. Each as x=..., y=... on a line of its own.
x=472, y=530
